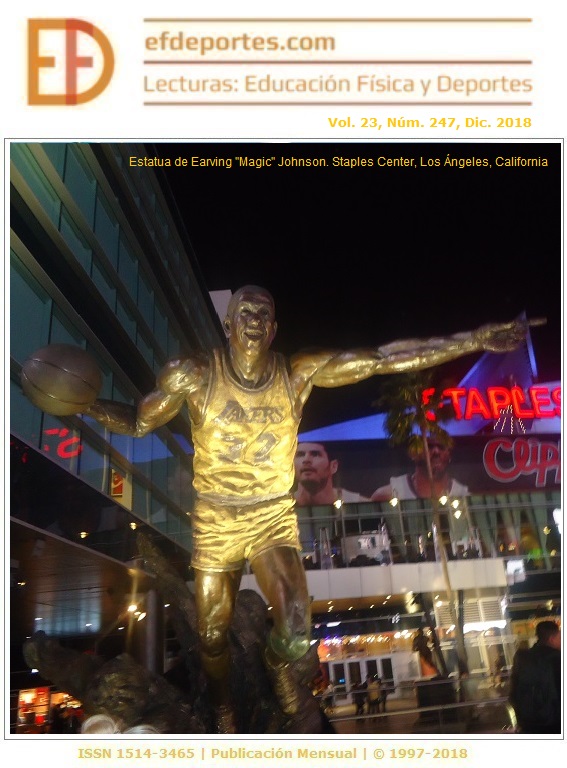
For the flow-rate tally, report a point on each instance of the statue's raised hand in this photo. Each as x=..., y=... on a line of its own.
x=504, y=337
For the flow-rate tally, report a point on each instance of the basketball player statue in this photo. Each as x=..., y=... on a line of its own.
x=245, y=404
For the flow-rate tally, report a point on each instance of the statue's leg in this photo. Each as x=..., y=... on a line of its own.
x=215, y=593
x=281, y=577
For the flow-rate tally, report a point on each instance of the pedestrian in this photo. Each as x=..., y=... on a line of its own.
x=373, y=688
x=535, y=682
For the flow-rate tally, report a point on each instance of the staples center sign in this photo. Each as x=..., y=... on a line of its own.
x=537, y=402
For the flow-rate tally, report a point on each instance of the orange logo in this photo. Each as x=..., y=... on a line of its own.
x=69, y=61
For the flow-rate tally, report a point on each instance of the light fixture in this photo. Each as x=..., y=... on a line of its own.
x=457, y=513
x=142, y=616
x=338, y=503
x=83, y=534
x=394, y=501
x=133, y=607
x=481, y=626
x=133, y=526
x=443, y=499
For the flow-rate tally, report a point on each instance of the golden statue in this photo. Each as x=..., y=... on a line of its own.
x=245, y=404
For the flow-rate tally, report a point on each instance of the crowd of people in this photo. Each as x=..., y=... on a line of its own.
x=368, y=696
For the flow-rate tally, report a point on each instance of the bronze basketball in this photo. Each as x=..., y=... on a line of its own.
x=61, y=379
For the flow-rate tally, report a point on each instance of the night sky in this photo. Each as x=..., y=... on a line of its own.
x=364, y=255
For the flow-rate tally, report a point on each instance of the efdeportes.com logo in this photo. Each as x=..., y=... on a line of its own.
x=69, y=62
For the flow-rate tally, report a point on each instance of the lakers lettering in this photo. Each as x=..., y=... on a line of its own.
x=235, y=413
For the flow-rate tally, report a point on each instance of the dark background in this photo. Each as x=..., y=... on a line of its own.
x=363, y=256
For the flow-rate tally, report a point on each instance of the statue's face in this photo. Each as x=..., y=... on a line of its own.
x=251, y=325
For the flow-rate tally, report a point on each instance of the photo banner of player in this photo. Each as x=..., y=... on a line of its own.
x=484, y=464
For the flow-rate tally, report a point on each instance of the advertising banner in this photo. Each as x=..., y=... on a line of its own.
x=484, y=464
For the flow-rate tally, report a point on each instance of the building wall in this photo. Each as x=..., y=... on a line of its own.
x=97, y=261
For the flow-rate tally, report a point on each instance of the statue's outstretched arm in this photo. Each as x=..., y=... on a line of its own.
x=347, y=367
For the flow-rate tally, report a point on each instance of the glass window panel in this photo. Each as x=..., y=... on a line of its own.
x=173, y=346
x=140, y=501
x=148, y=190
x=185, y=525
x=161, y=219
x=133, y=189
x=123, y=444
x=62, y=444
x=159, y=473
x=158, y=516
x=104, y=285
x=173, y=523
x=37, y=181
x=56, y=153
x=81, y=183
x=128, y=268
x=173, y=480
x=106, y=228
x=62, y=332
x=145, y=350
x=118, y=393
x=106, y=390
x=146, y=300
x=143, y=454
x=174, y=253
x=30, y=312
x=25, y=418
x=126, y=319
x=160, y=327
x=93, y=467
x=76, y=241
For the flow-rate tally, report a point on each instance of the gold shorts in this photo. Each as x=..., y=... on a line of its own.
x=225, y=536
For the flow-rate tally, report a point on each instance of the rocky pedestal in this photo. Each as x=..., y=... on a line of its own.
x=177, y=702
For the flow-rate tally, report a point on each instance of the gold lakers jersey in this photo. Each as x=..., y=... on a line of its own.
x=246, y=441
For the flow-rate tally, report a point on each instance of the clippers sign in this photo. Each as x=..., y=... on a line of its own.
x=507, y=460
x=69, y=62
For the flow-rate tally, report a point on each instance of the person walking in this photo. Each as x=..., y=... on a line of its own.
x=535, y=682
x=373, y=689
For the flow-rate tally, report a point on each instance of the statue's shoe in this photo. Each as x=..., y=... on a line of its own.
x=283, y=684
